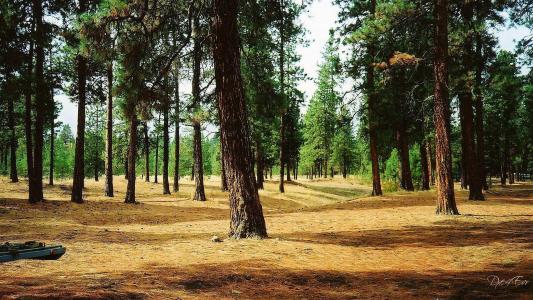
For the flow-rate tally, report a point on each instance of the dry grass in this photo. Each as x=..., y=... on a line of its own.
x=324, y=243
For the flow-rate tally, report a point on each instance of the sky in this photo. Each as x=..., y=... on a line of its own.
x=318, y=20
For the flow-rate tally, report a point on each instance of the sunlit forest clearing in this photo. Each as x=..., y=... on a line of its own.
x=328, y=239
x=266, y=149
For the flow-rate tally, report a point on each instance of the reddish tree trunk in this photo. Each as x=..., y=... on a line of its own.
x=259, y=165
x=223, y=179
x=109, y=134
x=443, y=155
x=466, y=106
x=430, y=163
x=246, y=212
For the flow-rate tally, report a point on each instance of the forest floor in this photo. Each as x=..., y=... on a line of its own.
x=328, y=240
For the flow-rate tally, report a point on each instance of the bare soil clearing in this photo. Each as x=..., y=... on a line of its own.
x=327, y=241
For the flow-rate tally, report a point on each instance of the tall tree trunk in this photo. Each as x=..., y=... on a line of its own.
x=177, y=133
x=246, y=212
x=199, y=193
x=425, y=166
x=198, y=169
x=27, y=115
x=132, y=150
x=52, y=146
x=376, y=180
x=13, y=136
x=79, y=162
x=156, y=172
x=325, y=168
x=464, y=151
x=282, y=89
x=166, y=145
x=146, y=152
x=480, y=135
x=109, y=134
x=443, y=154
x=259, y=164
x=156, y=167
x=465, y=97
x=403, y=152
x=36, y=182
x=473, y=179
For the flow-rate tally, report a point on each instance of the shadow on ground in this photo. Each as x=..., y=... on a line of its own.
x=249, y=280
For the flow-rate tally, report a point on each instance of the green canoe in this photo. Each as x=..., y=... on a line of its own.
x=30, y=250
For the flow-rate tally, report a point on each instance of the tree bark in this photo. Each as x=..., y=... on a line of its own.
x=425, y=166
x=79, y=161
x=13, y=175
x=465, y=97
x=376, y=180
x=156, y=172
x=430, y=163
x=198, y=167
x=443, y=155
x=403, y=152
x=109, y=134
x=464, y=150
x=132, y=150
x=288, y=170
x=199, y=194
x=52, y=150
x=177, y=134
x=247, y=219
x=146, y=153
x=259, y=164
x=223, y=178
x=36, y=182
x=480, y=135
x=126, y=163
x=166, y=145
x=27, y=115
x=282, y=90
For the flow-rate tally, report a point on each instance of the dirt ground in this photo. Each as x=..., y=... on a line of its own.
x=328, y=240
